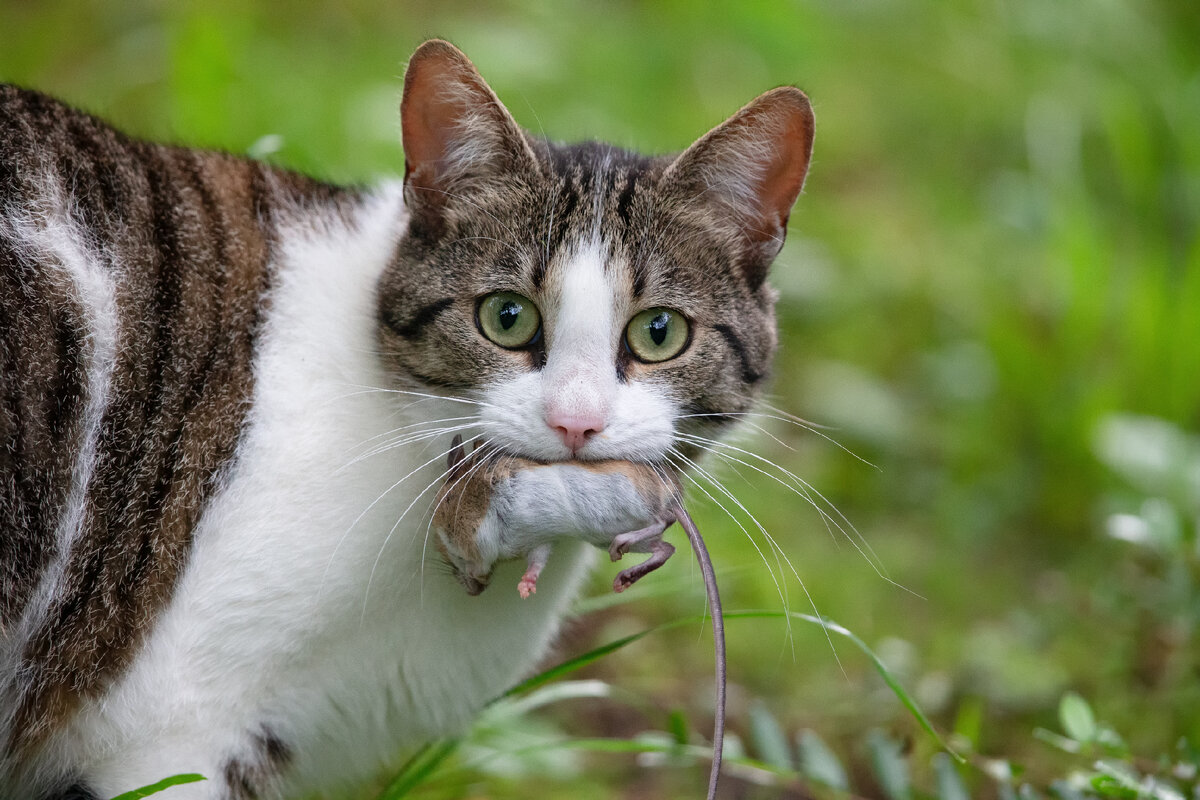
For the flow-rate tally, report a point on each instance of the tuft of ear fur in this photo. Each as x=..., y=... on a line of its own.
x=750, y=169
x=455, y=129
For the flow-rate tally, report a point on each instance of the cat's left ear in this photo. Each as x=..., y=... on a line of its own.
x=457, y=134
x=751, y=167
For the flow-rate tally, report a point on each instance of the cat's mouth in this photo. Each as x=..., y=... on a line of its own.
x=647, y=450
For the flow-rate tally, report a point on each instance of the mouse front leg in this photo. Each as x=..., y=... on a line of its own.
x=644, y=540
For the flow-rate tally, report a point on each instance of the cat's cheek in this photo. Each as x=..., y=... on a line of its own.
x=450, y=357
x=642, y=425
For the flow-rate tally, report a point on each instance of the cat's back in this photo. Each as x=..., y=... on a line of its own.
x=132, y=286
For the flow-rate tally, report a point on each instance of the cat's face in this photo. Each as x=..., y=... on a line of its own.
x=594, y=302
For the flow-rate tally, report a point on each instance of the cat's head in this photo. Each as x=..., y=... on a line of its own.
x=595, y=303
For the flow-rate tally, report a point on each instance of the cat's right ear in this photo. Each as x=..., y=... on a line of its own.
x=457, y=134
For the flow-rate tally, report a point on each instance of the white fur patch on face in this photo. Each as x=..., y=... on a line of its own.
x=579, y=379
x=579, y=385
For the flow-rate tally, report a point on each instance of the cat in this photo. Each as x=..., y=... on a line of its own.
x=227, y=393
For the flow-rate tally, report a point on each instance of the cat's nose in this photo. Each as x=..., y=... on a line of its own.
x=575, y=430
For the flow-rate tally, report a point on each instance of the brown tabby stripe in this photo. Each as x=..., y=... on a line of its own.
x=187, y=238
x=750, y=375
x=43, y=383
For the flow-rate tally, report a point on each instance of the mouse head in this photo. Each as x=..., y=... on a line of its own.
x=462, y=505
x=468, y=569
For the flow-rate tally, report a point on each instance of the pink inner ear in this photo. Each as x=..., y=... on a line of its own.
x=784, y=175
x=751, y=168
x=453, y=126
x=437, y=94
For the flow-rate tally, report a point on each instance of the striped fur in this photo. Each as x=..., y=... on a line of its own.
x=133, y=276
x=213, y=545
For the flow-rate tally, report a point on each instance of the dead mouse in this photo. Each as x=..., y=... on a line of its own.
x=497, y=507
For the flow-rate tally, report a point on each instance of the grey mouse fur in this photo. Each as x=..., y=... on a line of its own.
x=494, y=507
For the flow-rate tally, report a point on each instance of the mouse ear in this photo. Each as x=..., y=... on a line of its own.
x=456, y=455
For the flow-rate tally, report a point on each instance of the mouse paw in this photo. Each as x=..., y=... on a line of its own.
x=618, y=547
x=536, y=562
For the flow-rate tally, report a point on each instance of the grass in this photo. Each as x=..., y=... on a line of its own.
x=991, y=292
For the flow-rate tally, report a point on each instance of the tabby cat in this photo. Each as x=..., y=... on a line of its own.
x=227, y=392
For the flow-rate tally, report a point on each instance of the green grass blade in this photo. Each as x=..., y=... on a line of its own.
x=596, y=654
x=428, y=758
x=155, y=788
x=892, y=683
x=419, y=767
x=591, y=656
x=637, y=745
x=818, y=762
x=890, y=766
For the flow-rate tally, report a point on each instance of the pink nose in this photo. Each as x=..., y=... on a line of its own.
x=575, y=431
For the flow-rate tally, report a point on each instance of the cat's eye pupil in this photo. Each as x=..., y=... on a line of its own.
x=658, y=328
x=509, y=314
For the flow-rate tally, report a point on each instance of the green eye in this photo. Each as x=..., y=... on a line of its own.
x=508, y=319
x=657, y=334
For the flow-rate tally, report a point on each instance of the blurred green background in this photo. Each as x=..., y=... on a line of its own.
x=991, y=293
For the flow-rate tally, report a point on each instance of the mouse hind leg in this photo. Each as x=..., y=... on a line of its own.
x=536, y=562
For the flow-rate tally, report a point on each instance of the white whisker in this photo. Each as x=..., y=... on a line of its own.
x=800, y=490
x=816, y=429
x=779, y=588
x=414, y=437
x=488, y=450
x=811, y=601
x=410, y=425
x=367, y=510
x=404, y=513
x=783, y=416
x=776, y=549
x=803, y=488
x=426, y=395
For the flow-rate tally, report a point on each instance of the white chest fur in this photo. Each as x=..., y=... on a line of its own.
x=309, y=609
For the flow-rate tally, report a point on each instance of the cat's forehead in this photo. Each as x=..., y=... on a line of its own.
x=527, y=230
x=596, y=185
x=595, y=198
